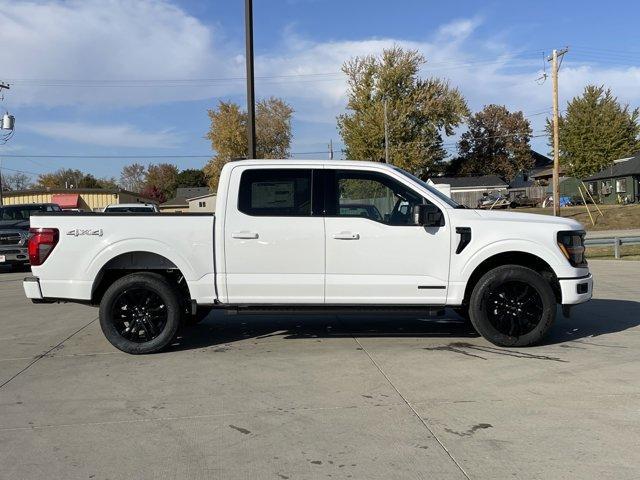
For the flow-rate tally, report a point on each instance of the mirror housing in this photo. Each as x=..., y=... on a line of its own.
x=427, y=215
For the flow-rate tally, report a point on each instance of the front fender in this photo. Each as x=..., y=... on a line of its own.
x=554, y=259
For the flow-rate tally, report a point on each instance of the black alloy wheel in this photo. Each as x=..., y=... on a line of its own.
x=139, y=314
x=514, y=308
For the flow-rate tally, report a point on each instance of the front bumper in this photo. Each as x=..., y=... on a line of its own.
x=576, y=290
x=14, y=254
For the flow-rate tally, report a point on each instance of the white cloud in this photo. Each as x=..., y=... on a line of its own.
x=106, y=135
x=105, y=40
x=155, y=39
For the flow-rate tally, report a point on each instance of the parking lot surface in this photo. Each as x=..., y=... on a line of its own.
x=323, y=396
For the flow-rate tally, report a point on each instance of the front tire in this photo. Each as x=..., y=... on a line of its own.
x=512, y=306
x=140, y=313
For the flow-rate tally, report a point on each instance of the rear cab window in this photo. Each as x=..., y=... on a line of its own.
x=278, y=192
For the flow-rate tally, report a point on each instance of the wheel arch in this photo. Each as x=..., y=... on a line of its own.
x=137, y=261
x=514, y=257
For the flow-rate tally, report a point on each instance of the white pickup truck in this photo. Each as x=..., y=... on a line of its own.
x=311, y=235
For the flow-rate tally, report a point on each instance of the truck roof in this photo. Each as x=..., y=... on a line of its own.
x=304, y=161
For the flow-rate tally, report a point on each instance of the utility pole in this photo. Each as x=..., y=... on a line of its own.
x=331, y=149
x=386, y=133
x=251, y=100
x=556, y=133
x=1, y=198
x=3, y=86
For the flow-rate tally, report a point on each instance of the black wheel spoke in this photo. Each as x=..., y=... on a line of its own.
x=514, y=308
x=139, y=314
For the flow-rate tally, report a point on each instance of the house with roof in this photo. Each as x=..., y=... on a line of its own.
x=180, y=203
x=79, y=199
x=617, y=183
x=467, y=190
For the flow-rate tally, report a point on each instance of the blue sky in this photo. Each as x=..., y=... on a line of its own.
x=136, y=78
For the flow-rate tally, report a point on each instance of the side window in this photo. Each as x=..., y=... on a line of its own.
x=373, y=196
x=275, y=192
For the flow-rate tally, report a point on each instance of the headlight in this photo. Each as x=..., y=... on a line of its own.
x=571, y=244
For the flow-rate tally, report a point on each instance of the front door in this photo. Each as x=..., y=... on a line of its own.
x=374, y=251
x=274, y=246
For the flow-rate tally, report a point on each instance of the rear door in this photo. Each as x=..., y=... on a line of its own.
x=375, y=253
x=274, y=245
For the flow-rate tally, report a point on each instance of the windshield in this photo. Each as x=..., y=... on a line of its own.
x=22, y=212
x=431, y=189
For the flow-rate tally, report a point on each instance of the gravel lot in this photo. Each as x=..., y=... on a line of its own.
x=353, y=396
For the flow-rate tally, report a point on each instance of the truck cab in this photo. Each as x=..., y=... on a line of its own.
x=318, y=235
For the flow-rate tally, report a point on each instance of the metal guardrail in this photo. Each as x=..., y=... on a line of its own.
x=615, y=242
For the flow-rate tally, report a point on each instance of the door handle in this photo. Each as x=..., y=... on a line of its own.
x=245, y=235
x=346, y=236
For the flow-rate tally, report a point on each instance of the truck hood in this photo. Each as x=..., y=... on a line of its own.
x=530, y=218
x=14, y=225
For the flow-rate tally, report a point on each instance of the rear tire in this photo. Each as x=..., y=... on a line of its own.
x=512, y=306
x=140, y=313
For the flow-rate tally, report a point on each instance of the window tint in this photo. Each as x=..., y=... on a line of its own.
x=22, y=212
x=373, y=196
x=275, y=192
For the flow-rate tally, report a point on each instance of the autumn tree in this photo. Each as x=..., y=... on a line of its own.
x=496, y=142
x=419, y=111
x=133, y=177
x=228, y=134
x=596, y=130
x=162, y=177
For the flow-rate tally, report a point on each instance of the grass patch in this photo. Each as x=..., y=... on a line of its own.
x=616, y=217
x=627, y=252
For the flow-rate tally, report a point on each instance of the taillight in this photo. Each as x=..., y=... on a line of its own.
x=41, y=244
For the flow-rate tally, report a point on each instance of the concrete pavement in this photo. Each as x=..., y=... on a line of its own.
x=325, y=396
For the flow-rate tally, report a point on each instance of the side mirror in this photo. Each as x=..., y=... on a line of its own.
x=427, y=216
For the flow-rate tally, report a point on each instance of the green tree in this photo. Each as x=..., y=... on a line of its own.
x=228, y=134
x=419, y=111
x=596, y=130
x=496, y=142
x=162, y=177
x=73, y=178
x=191, y=177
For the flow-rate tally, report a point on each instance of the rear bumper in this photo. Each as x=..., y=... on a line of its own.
x=576, y=290
x=14, y=254
x=31, y=286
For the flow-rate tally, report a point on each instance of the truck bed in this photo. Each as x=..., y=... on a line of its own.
x=91, y=242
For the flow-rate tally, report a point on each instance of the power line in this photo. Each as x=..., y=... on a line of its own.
x=81, y=156
x=181, y=82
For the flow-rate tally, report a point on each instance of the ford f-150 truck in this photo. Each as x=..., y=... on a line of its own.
x=311, y=235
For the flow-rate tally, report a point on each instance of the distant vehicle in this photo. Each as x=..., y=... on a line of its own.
x=492, y=201
x=17, y=216
x=14, y=231
x=132, y=208
x=523, y=201
x=13, y=247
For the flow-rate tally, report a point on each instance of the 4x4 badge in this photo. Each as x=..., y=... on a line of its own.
x=76, y=232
